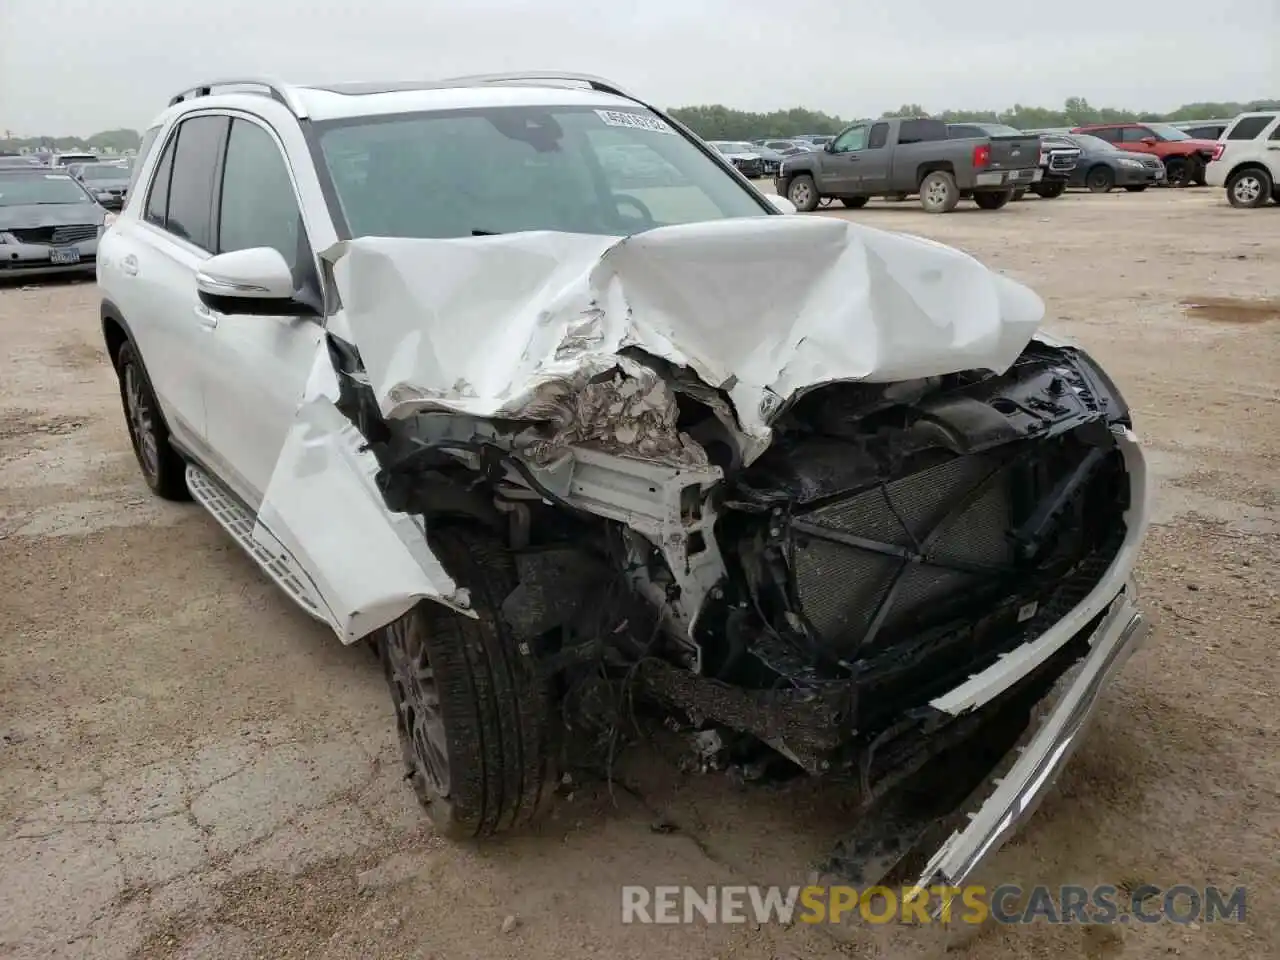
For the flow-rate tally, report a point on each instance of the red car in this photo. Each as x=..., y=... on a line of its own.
x=1184, y=157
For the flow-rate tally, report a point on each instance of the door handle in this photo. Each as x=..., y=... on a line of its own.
x=129, y=266
x=208, y=318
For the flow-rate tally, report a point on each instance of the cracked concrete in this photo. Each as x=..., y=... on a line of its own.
x=190, y=768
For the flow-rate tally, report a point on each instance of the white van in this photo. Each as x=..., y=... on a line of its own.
x=1247, y=160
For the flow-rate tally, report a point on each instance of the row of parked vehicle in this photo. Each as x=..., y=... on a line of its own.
x=992, y=164
x=53, y=209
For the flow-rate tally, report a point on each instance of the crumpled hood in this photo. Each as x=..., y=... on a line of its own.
x=762, y=308
x=49, y=215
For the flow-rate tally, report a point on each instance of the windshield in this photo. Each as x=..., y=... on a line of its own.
x=19, y=189
x=510, y=169
x=1167, y=132
x=104, y=171
x=734, y=146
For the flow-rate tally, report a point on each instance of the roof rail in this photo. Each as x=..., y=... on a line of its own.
x=599, y=84
x=275, y=89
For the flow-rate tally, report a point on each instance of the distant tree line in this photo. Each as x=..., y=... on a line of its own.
x=117, y=141
x=718, y=122
x=724, y=123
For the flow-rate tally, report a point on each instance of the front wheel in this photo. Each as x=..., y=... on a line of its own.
x=1100, y=180
x=854, y=203
x=803, y=192
x=472, y=711
x=1019, y=194
x=939, y=193
x=1249, y=188
x=992, y=200
x=162, y=468
x=1136, y=188
x=1049, y=190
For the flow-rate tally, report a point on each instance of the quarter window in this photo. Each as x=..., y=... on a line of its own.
x=158, y=199
x=1248, y=128
x=1275, y=133
x=259, y=206
x=1109, y=134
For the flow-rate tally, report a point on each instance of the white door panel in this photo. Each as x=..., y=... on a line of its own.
x=256, y=373
x=153, y=286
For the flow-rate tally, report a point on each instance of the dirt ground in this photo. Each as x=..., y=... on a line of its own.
x=192, y=768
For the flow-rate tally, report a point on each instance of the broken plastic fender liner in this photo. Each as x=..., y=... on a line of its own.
x=764, y=307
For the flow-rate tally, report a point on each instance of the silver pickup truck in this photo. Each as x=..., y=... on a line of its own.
x=896, y=157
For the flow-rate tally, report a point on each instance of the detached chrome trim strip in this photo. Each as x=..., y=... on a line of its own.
x=1017, y=663
x=1016, y=796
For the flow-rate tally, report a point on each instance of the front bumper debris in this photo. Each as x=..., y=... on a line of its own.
x=1042, y=757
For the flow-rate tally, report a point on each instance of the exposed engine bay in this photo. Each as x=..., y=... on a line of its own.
x=894, y=540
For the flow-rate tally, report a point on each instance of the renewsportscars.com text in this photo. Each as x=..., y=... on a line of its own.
x=1008, y=903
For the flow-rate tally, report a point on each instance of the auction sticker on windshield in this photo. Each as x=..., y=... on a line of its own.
x=636, y=121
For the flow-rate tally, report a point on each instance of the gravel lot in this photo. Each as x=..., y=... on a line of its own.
x=191, y=768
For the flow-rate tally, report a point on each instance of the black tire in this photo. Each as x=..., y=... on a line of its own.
x=1176, y=171
x=1136, y=188
x=1249, y=188
x=854, y=203
x=939, y=193
x=482, y=705
x=992, y=199
x=1100, y=179
x=1197, y=171
x=163, y=468
x=1019, y=194
x=803, y=192
x=1050, y=190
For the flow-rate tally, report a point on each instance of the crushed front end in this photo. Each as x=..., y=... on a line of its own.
x=874, y=535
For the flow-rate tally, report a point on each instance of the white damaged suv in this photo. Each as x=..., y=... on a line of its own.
x=516, y=378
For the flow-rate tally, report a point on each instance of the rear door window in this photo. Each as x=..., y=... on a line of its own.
x=195, y=161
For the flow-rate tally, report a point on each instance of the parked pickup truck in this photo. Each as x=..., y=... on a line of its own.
x=1057, y=156
x=877, y=158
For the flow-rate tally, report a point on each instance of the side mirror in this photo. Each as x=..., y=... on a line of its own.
x=259, y=273
x=781, y=203
x=829, y=146
x=1149, y=141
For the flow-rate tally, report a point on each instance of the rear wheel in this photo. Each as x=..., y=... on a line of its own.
x=1249, y=187
x=854, y=203
x=992, y=200
x=938, y=192
x=472, y=711
x=1100, y=179
x=803, y=193
x=162, y=468
x=1175, y=171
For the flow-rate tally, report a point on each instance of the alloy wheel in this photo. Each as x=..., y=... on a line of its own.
x=1246, y=189
x=419, y=720
x=141, y=418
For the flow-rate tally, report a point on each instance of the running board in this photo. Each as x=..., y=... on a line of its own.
x=257, y=541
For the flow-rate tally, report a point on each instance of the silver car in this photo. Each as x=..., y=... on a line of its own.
x=48, y=223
